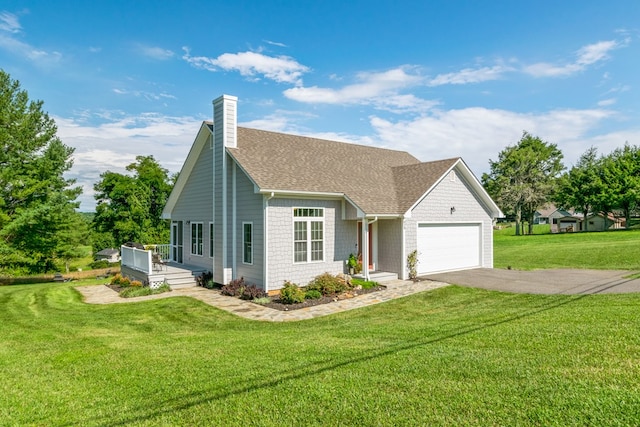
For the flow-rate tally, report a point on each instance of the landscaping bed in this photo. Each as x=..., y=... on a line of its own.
x=276, y=303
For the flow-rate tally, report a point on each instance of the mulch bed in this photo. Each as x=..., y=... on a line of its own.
x=278, y=305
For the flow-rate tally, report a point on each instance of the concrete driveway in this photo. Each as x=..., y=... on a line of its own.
x=560, y=281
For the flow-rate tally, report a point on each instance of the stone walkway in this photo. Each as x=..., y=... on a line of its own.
x=99, y=294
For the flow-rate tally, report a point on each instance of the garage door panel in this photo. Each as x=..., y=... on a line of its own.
x=443, y=247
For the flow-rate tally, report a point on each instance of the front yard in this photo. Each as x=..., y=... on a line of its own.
x=611, y=250
x=454, y=356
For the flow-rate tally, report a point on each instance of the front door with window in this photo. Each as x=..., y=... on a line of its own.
x=176, y=241
x=369, y=246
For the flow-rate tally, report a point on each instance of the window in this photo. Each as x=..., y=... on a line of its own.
x=196, y=238
x=308, y=234
x=211, y=245
x=247, y=241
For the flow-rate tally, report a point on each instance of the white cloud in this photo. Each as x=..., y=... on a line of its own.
x=281, y=69
x=470, y=75
x=585, y=56
x=115, y=142
x=156, y=52
x=479, y=134
x=9, y=28
x=143, y=94
x=607, y=102
x=378, y=89
x=275, y=43
x=9, y=22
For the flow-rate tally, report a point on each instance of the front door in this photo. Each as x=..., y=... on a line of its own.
x=176, y=241
x=369, y=245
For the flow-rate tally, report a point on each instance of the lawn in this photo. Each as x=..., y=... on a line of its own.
x=454, y=356
x=616, y=250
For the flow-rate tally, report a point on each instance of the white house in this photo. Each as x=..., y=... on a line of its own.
x=271, y=207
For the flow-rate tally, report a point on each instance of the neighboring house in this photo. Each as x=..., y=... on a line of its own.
x=541, y=216
x=272, y=207
x=600, y=222
x=565, y=221
x=111, y=255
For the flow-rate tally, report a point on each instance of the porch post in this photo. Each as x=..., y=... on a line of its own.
x=365, y=248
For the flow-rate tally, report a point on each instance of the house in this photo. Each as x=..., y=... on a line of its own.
x=110, y=254
x=273, y=207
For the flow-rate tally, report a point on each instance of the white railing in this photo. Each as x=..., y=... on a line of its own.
x=163, y=250
x=137, y=259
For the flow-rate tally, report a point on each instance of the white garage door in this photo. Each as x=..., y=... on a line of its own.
x=446, y=247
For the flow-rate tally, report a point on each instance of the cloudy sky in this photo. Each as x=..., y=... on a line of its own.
x=439, y=79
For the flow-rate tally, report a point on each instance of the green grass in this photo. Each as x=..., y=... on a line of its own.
x=614, y=250
x=454, y=356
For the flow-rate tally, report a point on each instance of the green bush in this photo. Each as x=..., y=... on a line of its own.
x=262, y=301
x=103, y=263
x=312, y=294
x=328, y=284
x=291, y=294
x=365, y=284
x=140, y=291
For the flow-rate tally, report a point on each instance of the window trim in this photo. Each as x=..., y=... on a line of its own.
x=212, y=230
x=244, y=243
x=201, y=243
x=316, y=216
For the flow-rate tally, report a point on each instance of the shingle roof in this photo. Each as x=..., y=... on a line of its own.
x=379, y=181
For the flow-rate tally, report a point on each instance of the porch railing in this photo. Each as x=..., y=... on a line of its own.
x=138, y=259
x=163, y=250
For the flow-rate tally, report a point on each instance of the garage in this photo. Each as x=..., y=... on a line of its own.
x=447, y=247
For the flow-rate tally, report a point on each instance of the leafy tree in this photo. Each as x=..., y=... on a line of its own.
x=582, y=187
x=523, y=177
x=130, y=206
x=621, y=175
x=35, y=197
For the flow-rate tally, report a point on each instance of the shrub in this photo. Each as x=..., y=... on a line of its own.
x=121, y=281
x=252, y=292
x=412, y=264
x=365, y=284
x=204, y=279
x=312, y=294
x=136, y=284
x=328, y=284
x=291, y=293
x=103, y=263
x=132, y=291
x=262, y=301
x=234, y=288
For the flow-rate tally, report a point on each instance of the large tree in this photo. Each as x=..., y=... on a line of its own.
x=621, y=175
x=37, y=202
x=523, y=177
x=130, y=206
x=582, y=187
x=35, y=197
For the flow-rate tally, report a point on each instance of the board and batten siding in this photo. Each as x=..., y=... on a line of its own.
x=339, y=238
x=249, y=208
x=451, y=191
x=195, y=205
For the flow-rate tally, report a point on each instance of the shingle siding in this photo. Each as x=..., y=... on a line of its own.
x=390, y=246
x=451, y=191
x=337, y=234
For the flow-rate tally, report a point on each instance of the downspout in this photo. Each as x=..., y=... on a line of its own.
x=265, y=242
x=213, y=204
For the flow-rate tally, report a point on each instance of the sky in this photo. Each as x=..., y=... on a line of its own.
x=438, y=79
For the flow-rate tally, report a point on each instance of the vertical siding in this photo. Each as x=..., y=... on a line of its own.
x=249, y=209
x=195, y=204
x=338, y=238
x=436, y=207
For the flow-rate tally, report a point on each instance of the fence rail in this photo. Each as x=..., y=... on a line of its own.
x=137, y=259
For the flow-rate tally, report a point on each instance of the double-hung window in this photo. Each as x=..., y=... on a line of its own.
x=196, y=238
x=308, y=234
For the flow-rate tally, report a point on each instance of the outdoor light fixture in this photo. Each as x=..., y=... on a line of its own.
x=453, y=209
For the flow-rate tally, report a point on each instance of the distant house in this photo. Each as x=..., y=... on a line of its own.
x=111, y=255
x=562, y=220
x=273, y=207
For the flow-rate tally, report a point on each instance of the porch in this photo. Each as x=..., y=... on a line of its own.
x=152, y=266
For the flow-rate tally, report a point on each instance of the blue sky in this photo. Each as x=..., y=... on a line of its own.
x=439, y=79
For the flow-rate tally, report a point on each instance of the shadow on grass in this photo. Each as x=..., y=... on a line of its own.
x=174, y=404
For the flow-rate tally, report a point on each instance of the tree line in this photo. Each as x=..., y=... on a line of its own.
x=40, y=228
x=530, y=174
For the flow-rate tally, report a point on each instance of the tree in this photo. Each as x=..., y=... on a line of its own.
x=523, y=177
x=35, y=197
x=130, y=206
x=621, y=175
x=582, y=187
